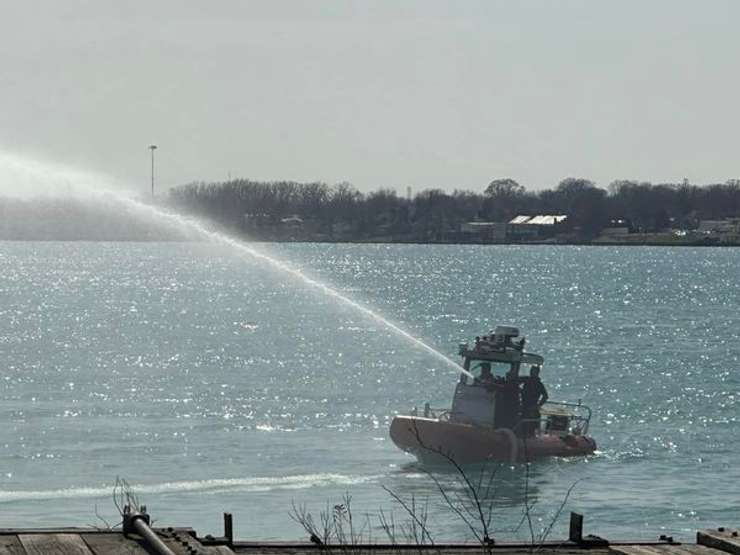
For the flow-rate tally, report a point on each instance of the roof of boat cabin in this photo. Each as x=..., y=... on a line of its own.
x=503, y=355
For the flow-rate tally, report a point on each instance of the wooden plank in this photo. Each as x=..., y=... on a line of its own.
x=11, y=545
x=431, y=550
x=634, y=550
x=54, y=544
x=694, y=549
x=179, y=543
x=665, y=549
x=113, y=544
x=43, y=530
x=562, y=547
x=724, y=539
x=280, y=548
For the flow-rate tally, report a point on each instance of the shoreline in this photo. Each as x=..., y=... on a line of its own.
x=699, y=244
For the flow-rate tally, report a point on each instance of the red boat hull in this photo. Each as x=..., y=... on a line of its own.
x=432, y=440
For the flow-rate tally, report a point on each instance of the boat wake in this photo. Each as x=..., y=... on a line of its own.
x=212, y=486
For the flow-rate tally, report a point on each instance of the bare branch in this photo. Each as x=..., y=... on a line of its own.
x=412, y=513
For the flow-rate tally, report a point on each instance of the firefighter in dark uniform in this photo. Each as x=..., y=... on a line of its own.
x=534, y=395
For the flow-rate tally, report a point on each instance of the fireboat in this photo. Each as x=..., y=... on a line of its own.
x=487, y=420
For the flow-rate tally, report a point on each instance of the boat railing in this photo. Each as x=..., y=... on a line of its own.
x=580, y=415
x=577, y=421
x=430, y=412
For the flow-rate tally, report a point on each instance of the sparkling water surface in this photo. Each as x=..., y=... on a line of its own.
x=213, y=383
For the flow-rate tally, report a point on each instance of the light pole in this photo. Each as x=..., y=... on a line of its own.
x=152, y=148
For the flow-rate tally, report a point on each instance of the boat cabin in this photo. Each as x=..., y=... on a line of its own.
x=497, y=363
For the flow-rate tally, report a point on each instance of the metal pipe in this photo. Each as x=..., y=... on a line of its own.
x=139, y=525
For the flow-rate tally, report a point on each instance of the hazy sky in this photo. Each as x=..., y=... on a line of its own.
x=420, y=93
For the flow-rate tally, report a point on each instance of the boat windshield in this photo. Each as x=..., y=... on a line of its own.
x=498, y=369
x=526, y=371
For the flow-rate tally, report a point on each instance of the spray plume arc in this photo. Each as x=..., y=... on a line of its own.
x=201, y=229
x=45, y=177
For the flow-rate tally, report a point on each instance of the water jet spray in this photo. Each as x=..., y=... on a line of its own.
x=245, y=248
x=40, y=174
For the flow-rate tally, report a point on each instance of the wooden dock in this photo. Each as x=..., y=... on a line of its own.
x=184, y=541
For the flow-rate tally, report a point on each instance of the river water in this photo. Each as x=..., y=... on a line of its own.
x=212, y=383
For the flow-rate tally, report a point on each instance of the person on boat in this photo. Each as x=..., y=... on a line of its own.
x=486, y=377
x=534, y=395
x=507, y=403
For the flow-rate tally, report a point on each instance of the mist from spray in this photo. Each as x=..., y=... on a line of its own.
x=26, y=178
x=35, y=177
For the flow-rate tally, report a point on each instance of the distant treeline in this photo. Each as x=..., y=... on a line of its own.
x=342, y=212
x=77, y=219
